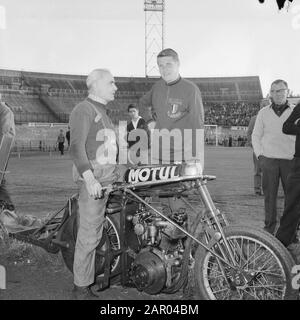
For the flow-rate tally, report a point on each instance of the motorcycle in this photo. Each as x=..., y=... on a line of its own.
x=150, y=246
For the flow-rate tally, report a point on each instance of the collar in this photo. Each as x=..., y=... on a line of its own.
x=97, y=99
x=139, y=117
x=286, y=105
x=279, y=110
x=173, y=82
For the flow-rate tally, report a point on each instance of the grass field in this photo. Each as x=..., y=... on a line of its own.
x=41, y=184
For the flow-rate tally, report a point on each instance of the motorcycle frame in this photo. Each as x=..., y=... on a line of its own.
x=207, y=201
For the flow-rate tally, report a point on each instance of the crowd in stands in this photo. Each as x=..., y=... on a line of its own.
x=230, y=114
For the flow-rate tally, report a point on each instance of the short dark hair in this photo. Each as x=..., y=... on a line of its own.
x=132, y=106
x=279, y=81
x=168, y=53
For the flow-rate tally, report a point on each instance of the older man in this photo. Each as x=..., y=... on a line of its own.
x=273, y=148
x=92, y=132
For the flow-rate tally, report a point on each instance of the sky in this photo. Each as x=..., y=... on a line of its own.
x=212, y=37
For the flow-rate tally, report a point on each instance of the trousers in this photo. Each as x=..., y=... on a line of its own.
x=273, y=170
x=91, y=219
x=257, y=174
x=289, y=222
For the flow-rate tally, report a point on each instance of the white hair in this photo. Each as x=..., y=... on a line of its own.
x=94, y=76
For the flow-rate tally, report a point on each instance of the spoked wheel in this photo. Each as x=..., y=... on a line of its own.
x=112, y=228
x=262, y=271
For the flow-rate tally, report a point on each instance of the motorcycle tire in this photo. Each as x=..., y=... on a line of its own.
x=264, y=260
x=69, y=235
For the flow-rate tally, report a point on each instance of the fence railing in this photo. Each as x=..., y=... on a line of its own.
x=34, y=145
x=25, y=117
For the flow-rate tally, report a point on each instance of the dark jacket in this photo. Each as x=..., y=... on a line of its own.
x=141, y=124
x=292, y=126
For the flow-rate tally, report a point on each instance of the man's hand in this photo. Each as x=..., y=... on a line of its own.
x=93, y=186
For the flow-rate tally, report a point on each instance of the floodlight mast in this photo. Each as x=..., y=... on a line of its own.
x=154, y=34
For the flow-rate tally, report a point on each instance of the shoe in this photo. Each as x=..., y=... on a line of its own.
x=294, y=249
x=82, y=293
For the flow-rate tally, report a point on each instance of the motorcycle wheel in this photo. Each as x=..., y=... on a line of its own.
x=112, y=228
x=262, y=260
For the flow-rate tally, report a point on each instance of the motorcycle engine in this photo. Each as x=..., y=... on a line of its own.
x=158, y=264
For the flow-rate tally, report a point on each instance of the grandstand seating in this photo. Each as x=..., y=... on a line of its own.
x=53, y=96
x=25, y=103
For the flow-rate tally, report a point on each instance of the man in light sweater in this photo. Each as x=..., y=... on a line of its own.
x=273, y=148
x=94, y=167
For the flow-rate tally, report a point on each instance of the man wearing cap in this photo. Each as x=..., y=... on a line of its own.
x=92, y=133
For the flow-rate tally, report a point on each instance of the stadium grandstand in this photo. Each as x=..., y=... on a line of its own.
x=44, y=97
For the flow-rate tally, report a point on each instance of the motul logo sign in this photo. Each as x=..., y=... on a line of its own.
x=152, y=174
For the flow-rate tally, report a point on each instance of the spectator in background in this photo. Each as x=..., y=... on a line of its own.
x=61, y=142
x=257, y=168
x=230, y=141
x=7, y=135
x=68, y=136
x=273, y=148
x=133, y=136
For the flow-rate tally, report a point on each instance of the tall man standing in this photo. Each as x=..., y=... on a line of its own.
x=94, y=167
x=273, y=148
x=176, y=104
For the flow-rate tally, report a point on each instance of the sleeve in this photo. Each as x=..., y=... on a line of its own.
x=257, y=134
x=196, y=117
x=146, y=101
x=292, y=124
x=144, y=126
x=80, y=123
x=197, y=110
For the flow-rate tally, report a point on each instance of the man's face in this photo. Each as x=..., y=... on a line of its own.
x=133, y=113
x=168, y=68
x=105, y=87
x=279, y=93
